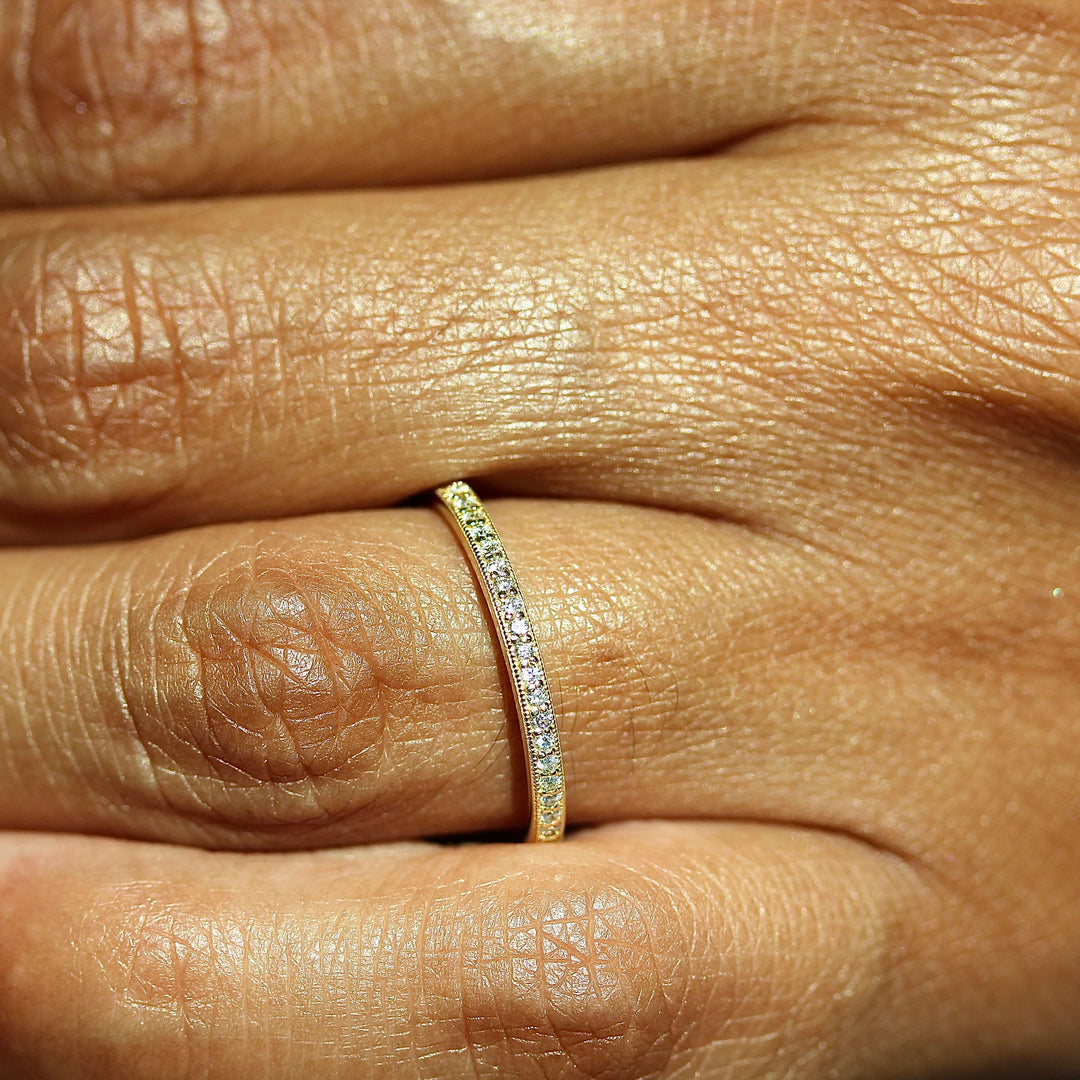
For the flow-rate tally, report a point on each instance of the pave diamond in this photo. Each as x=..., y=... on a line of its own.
x=539, y=697
x=544, y=743
x=525, y=651
x=549, y=785
x=542, y=722
x=502, y=583
x=551, y=800
x=514, y=606
x=519, y=628
x=549, y=765
x=531, y=674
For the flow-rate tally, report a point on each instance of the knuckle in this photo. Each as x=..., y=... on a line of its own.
x=279, y=679
x=165, y=967
x=137, y=972
x=591, y=973
x=92, y=386
x=104, y=98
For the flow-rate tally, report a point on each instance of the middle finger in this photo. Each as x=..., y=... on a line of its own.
x=719, y=337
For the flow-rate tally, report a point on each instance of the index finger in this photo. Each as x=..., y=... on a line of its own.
x=111, y=99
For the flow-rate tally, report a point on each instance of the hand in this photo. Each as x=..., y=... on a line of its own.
x=786, y=438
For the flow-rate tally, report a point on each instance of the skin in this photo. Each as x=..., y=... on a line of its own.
x=756, y=324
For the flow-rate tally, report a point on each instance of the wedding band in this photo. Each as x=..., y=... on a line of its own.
x=521, y=656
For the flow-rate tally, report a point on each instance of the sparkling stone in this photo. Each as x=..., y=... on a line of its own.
x=544, y=743
x=488, y=548
x=519, y=628
x=539, y=697
x=502, y=583
x=513, y=607
x=551, y=801
x=525, y=651
x=541, y=721
x=549, y=817
x=497, y=565
x=548, y=765
x=549, y=832
x=549, y=785
x=531, y=673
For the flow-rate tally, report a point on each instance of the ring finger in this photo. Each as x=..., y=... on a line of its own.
x=334, y=679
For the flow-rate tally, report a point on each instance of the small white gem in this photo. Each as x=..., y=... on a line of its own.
x=519, y=628
x=549, y=765
x=525, y=651
x=549, y=785
x=497, y=565
x=539, y=697
x=549, y=833
x=541, y=720
x=549, y=817
x=551, y=801
x=502, y=583
x=544, y=743
x=531, y=673
x=514, y=606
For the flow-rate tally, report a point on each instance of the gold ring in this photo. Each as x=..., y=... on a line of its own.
x=521, y=655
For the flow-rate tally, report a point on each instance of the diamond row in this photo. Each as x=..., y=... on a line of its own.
x=532, y=692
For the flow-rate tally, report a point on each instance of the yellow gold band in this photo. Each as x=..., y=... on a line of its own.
x=521, y=655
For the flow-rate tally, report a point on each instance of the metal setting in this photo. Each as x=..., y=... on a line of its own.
x=517, y=642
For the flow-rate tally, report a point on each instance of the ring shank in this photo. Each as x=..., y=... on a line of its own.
x=520, y=652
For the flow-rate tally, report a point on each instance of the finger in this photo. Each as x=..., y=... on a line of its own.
x=100, y=100
x=644, y=951
x=636, y=334
x=334, y=680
